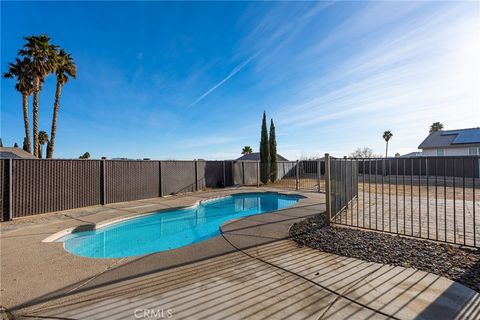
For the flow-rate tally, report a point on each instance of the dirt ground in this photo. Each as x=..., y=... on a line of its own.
x=415, y=190
x=444, y=220
x=408, y=189
x=303, y=184
x=448, y=212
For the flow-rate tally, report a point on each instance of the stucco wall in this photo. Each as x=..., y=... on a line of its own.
x=447, y=152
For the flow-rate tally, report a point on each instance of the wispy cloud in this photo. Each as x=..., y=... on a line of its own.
x=235, y=70
x=332, y=75
x=280, y=25
x=409, y=76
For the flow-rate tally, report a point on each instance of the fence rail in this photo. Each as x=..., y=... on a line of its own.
x=35, y=186
x=435, y=198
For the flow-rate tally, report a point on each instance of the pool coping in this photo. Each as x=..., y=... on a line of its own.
x=96, y=226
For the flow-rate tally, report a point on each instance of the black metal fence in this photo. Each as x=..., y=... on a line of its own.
x=436, y=198
x=297, y=175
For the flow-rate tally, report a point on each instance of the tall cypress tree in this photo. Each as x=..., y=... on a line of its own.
x=264, y=151
x=273, y=152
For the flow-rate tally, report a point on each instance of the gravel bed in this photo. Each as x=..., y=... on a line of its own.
x=458, y=264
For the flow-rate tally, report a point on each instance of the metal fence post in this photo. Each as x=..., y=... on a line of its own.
x=196, y=175
x=10, y=189
x=102, y=182
x=319, y=172
x=160, y=185
x=258, y=174
x=327, y=187
x=296, y=176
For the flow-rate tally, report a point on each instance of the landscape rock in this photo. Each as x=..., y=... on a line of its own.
x=455, y=263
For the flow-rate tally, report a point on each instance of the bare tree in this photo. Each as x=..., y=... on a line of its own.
x=364, y=152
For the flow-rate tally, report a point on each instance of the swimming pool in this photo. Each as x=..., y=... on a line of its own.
x=172, y=229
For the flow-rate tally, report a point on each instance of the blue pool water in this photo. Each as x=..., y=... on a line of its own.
x=172, y=229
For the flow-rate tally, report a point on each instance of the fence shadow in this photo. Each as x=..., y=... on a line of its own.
x=158, y=262
x=468, y=309
x=285, y=281
x=269, y=278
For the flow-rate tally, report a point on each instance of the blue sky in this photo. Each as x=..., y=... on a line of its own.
x=191, y=80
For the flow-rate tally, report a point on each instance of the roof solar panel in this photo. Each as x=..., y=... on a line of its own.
x=449, y=133
x=467, y=136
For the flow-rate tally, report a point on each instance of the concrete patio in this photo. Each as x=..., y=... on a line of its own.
x=251, y=271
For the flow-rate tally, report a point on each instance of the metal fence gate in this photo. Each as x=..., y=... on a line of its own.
x=296, y=175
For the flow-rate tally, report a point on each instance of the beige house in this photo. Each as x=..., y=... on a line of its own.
x=462, y=142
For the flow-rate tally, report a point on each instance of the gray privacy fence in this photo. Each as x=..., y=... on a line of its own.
x=435, y=198
x=342, y=185
x=34, y=186
x=451, y=166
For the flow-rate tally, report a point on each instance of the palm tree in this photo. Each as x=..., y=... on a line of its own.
x=42, y=55
x=25, y=145
x=436, y=126
x=20, y=70
x=247, y=150
x=42, y=139
x=64, y=67
x=86, y=155
x=387, y=135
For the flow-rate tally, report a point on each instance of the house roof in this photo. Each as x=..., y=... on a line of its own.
x=255, y=156
x=411, y=155
x=15, y=153
x=451, y=138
